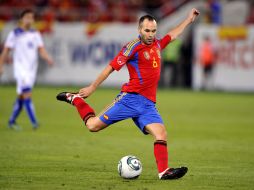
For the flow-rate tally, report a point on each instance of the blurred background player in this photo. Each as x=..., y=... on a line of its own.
x=25, y=43
x=170, y=64
x=207, y=60
x=138, y=97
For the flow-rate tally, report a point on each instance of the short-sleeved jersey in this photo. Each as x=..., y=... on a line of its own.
x=144, y=66
x=25, y=46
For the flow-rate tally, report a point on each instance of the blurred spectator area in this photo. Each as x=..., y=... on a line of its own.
x=87, y=10
x=123, y=10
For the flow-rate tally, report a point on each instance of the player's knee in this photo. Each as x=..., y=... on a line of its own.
x=92, y=127
x=94, y=124
x=162, y=135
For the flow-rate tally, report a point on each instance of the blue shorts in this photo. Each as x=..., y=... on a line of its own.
x=135, y=106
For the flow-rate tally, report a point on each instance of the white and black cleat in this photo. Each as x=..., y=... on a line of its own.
x=14, y=126
x=67, y=97
x=173, y=173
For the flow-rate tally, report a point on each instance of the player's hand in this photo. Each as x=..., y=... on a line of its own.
x=50, y=62
x=87, y=91
x=193, y=14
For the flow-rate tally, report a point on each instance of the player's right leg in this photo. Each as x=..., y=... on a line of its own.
x=17, y=108
x=115, y=112
x=86, y=113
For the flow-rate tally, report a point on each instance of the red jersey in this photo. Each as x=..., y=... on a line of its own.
x=144, y=66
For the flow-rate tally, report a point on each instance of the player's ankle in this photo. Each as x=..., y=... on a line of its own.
x=76, y=99
x=160, y=174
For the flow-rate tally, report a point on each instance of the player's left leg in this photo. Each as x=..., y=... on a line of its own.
x=150, y=122
x=158, y=131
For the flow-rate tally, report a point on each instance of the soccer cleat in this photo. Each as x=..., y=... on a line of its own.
x=36, y=126
x=174, y=173
x=67, y=97
x=14, y=126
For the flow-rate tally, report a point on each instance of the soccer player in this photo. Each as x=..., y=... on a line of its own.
x=138, y=97
x=207, y=59
x=25, y=43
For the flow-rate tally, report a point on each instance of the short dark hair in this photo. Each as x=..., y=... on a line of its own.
x=24, y=12
x=148, y=17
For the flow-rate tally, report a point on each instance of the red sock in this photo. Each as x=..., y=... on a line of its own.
x=85, y=111
x=161, y=155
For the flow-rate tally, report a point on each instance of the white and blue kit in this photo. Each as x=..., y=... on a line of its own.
x=25, y=45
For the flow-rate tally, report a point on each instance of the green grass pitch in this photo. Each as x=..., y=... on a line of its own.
x=211, y=133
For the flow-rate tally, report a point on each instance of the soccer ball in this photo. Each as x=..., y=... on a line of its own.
x=129, y=167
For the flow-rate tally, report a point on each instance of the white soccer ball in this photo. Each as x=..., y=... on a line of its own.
x=129, y=167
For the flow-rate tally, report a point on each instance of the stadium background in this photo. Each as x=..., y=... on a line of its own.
x=210, y=131
x=96, y=23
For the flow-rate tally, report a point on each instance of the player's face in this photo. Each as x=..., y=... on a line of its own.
x=147, y=31
x=27, y=20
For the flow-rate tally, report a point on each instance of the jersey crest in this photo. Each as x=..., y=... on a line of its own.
x=146, y=55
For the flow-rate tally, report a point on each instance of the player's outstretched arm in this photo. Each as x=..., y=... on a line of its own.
x=3, y=57
x=87, y=91
x=44, y=54
x=180, y=28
